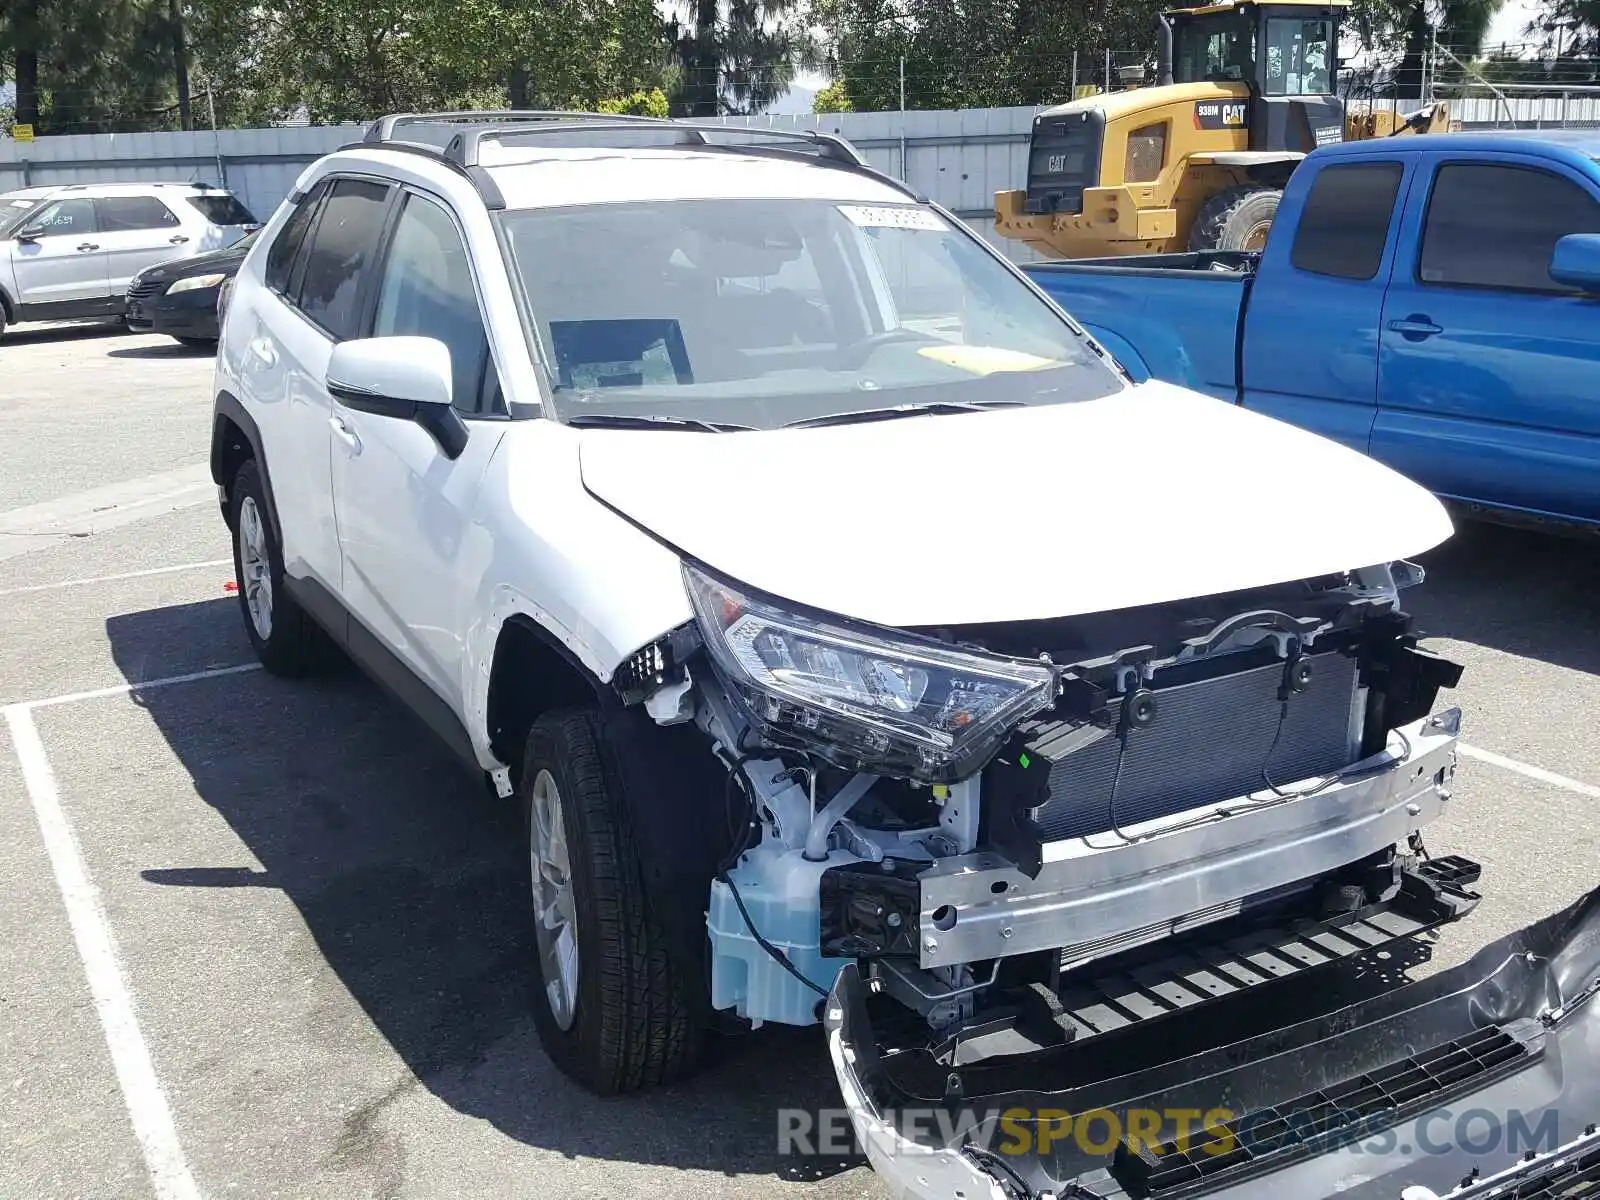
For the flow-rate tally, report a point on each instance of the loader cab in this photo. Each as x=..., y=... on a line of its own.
x=1282, y=58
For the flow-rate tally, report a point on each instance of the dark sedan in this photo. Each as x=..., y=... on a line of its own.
x=179, y=298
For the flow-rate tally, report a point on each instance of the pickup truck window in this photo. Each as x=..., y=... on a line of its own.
x=1495, y=226
x=1346, y=220
x=767, y=312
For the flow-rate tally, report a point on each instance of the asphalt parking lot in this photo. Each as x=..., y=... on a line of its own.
x=263, y=939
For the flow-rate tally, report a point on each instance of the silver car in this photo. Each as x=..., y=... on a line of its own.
x=68, y=251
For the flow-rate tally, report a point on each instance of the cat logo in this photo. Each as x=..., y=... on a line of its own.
x=1054, y=164
x=1221, y=114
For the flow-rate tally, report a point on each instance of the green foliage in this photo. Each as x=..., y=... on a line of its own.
x=832, y=99
x=737, y=56
x=641, y=104
x=111, y=64
x=970, y=53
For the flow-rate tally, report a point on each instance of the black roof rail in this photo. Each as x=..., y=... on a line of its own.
x=462, y=153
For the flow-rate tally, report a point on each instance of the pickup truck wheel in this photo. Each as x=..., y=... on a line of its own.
x=284, y=638
x=614, y=1009
x=1236, y=219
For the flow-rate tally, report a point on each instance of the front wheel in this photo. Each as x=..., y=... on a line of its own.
x=1236, y=219
x=616, y=1010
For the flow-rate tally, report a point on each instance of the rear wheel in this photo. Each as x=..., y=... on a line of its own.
x=284, y=638
x=616, y=1008
x=1236, y=219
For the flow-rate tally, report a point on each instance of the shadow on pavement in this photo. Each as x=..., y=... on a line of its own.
x=169, y=349
x=410, y=879
x=28, y=335
x=1529, y=594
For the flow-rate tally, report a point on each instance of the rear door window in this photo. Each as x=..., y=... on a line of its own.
x=128, y=214
x=1493, y=225
x=221, y=210
x=1345, y=222
x=339, y=261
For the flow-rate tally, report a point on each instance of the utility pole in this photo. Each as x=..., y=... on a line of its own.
x=180, y=62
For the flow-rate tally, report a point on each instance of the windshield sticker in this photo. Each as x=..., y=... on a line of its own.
x=868, y=216
x=986, y=360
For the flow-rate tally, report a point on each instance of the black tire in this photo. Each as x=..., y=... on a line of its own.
x=641, y=1010
x=293, y=644
x=196, y=343
x=1236, y=218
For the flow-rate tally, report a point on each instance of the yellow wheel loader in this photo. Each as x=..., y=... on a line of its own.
x=1197, y=162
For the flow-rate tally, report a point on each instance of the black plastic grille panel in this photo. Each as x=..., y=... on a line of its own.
x=1323, y=1119
x=1210, y=742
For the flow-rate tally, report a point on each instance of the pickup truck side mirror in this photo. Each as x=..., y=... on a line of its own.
x=1576, y=261
x=404, y=378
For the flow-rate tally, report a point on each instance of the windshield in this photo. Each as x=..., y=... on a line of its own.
x=763, y=313
x=1213, y=49
x=12, y=211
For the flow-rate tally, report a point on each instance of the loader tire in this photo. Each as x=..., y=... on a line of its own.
x=634, y=1013
x=1237, y=219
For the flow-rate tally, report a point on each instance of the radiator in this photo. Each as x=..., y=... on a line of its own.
x=1212, y=740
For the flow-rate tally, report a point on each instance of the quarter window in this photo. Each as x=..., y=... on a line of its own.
x=128, y=214
x=280, y=258
x=1345, y=222
x=427, y=291
x=1492, y=226
x=341, y=254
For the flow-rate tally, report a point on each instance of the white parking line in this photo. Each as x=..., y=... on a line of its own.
x=1531, y=771
x=108, y=984
x=145, y=574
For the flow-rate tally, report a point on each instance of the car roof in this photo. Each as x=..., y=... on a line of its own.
x=552, y=177
x=139, y=188
x=1583, y=141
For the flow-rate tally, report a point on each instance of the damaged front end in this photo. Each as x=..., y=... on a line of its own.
x=1015, y=842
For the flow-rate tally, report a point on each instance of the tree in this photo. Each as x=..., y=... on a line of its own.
x=973, y=53
x=736, y=56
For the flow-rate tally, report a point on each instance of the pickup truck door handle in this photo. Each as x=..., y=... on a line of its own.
x=1416, y=327
x=85, y=247
x=177, y=239
x=352, y=442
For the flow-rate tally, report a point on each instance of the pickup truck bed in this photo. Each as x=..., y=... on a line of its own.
x=1432, y=301
x=1171, y=316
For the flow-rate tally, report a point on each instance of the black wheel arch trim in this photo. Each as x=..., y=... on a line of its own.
x=227, y=408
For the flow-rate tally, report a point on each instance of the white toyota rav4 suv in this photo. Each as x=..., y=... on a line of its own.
x=862, y=645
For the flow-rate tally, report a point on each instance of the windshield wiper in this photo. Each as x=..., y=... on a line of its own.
x=902, y=410
x=652, y=420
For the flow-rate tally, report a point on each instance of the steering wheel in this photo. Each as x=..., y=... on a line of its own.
x=853, y=354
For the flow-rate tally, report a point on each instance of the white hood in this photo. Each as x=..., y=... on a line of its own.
x=1149, y=495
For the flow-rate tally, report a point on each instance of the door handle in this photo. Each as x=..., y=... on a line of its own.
x=1416, y=327
x=87, y=246
x=177, y=239
x=351, y=440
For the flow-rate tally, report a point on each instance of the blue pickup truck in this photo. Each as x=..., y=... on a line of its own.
x=1432, y=301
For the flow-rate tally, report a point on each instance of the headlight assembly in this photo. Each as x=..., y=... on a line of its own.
x=195, y=283
x=861, y=696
